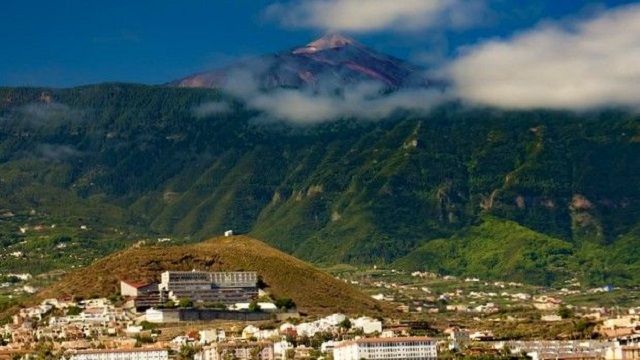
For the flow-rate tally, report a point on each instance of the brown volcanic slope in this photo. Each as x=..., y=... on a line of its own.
x=313, y=291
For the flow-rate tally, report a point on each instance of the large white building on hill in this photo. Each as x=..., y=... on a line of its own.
x=200, y=286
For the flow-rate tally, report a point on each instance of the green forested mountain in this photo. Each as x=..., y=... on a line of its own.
x=535, y=196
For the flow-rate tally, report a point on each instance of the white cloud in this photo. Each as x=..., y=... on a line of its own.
x=375, y=15
x=364, y=101
x=367, y=101
x=583, y=65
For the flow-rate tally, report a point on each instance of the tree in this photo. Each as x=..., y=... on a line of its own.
x=187, y=352
x=345, y=324
x=565, y=313
x=214, y=305
x=169, y=304
x=285, y=303
x=73, y=310
x=46, y=351
x=583, y=328
x=10, y=279
x=147, y=325
x=254, y=307
x=143, y=339
x=185, y=303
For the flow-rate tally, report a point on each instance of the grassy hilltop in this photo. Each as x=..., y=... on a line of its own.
x=312, y=290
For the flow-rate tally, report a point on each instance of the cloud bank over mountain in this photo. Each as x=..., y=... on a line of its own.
x=569, y=64
x=365, y=100
x=579, y=65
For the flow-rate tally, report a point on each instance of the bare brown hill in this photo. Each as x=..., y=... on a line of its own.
x=314, y=291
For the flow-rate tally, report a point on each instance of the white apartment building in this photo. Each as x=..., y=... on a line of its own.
x=408, y=348
x=367, y=325
x=120, y=354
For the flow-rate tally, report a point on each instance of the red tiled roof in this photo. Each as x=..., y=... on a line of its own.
x=135, y=284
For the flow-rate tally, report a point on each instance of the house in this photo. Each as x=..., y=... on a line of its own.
x=211, y=336
x=281, y=348
x=621, y=322
x=481, y=336
x=140, y=295
x=250, y=331
x=302, y=352
x=328, y=346
x=616, y=332
x=418, y=348
x=367, y=325
x=458, y=335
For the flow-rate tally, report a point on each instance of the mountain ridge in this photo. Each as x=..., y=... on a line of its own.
x=132, y=161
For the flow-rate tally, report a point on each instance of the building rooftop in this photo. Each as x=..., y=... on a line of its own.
x=385, y=340
x=137, y=284
x=102, y=351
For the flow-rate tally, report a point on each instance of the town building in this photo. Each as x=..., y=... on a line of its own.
x=159, y=316
x=120, y=354
x=568, y=356
x=409, y=348
x=367, y=325
x=210, y=336
x=140, y=295
x=241, y=351
x=196, y=314
x=628, y=352
x=212, y=287
x=557, y=349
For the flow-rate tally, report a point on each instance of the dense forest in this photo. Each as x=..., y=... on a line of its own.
x=534, y=196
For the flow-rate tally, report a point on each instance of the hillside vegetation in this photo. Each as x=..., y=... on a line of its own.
x=496, y=247
x=285, y=276
x=130, y=161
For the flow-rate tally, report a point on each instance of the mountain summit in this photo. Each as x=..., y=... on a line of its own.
x=333, y=60
x=329, y=41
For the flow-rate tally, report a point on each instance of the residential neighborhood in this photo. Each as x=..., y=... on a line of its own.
x=222, y=315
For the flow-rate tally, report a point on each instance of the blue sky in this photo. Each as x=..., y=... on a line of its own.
x=66, y=43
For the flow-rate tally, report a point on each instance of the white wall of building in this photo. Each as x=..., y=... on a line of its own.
x=396, y=348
